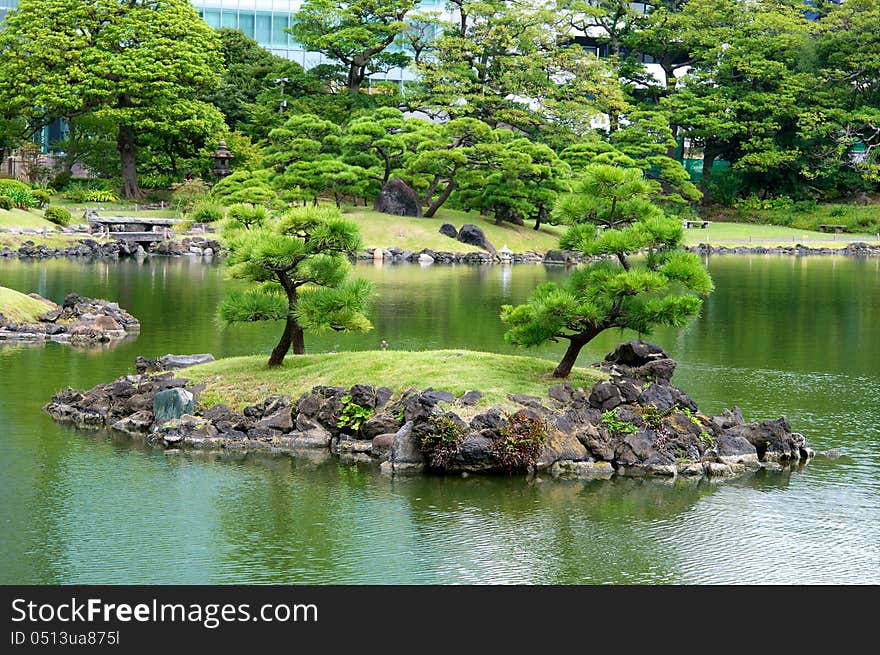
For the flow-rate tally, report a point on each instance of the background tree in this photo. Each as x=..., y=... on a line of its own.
x=513, y=179
x=662, y=288
x=357, y=34
x=135, y=64
x=299, y=267
x=255, y=83
x=747, y=89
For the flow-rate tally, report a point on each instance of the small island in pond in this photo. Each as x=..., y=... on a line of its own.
x=78, y=320
x=620, y=417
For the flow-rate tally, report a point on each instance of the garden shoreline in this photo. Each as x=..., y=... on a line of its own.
x=208, y=250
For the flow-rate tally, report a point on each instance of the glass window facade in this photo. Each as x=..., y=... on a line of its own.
x=265, y=22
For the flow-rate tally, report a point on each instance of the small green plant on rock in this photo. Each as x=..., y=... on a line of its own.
x=353, y=415
x=653, y=417
x=616, y=426
x=443, y=441
x=519, y=442
x=707, y=439
x=696, y=420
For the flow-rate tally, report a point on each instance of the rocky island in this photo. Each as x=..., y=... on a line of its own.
x=632, y=422
x=78, y=320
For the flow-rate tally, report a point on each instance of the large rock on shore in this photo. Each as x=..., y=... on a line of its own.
x=473, y=235
x=398, y=199
x=633, y=423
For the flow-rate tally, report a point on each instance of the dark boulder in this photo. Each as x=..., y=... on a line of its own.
x=636, y=353
x=605, y=396
x=398, y=199
x=381, y=423
x=475, y=455
x=469, y=398
x=473, y=235
x=448, y=230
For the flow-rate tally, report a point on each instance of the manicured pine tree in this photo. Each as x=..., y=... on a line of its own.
x=299, y=267
x=662, y=288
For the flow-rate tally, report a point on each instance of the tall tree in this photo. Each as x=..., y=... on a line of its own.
x=512, y=65
x=357, y=34
x=299, y=267
x=662, y=288
x=136, y=64
x=747, y=89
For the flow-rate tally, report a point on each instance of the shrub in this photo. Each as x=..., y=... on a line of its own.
x=58, y=215
x=520, y=440
x=42, y=196
x=189, y=192
x=443, y=441
x=158, y=181
x=804, y=206
x=100, y=195
x=246, y=216
x=208, y=212
x=6, y=202
x=61, y=180
x=22, y=199
x=75, y=194
x=7, y=183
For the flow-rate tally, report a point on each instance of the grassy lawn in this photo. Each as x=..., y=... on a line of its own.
x=19, y=307
x=23, y=218
x=241, y=381
x=384, y=231
x=738, y=234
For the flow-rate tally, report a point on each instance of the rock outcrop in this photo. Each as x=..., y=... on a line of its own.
x=78, y=321
x=634, y=423
x=398, y=199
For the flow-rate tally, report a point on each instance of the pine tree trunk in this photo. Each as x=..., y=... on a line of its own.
x=443, y=197
x=570, y=357
x=292, y=338
x=577, y=342
x=127, y=154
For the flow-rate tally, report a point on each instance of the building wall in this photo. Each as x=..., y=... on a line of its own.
x=6, y=5
x=265, y=21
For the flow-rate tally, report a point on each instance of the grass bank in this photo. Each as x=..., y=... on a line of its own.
x=24, y=218
x=856, y=219
x=20, y=307
x=384, y=231
x=240, y=381
x=737, y=234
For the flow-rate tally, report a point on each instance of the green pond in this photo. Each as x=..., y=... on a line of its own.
x=792, y=336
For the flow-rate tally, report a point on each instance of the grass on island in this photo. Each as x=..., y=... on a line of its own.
x=384, y=231
x=24, y=218
x=240, y=381
x=19, y=307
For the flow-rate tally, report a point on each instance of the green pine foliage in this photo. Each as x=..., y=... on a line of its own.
x=299, y=269
x=615, y=290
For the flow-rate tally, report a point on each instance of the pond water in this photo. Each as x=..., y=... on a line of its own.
x=792, y=336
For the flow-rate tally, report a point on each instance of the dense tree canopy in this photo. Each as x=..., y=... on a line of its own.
x=137, y=65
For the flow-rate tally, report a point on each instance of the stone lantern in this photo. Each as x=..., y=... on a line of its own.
x=221, y=159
